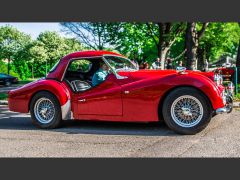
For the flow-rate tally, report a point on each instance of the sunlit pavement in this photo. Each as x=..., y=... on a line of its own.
x=19, y=138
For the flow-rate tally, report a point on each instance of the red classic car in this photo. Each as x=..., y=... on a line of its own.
x=185, y=100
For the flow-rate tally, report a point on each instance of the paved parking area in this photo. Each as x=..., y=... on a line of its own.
x=19, y=138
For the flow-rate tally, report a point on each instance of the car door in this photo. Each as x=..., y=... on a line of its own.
x=104, y=99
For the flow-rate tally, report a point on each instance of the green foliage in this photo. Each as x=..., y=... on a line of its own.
x=80, y=65
x=139, y=41
x=30, y=58
x=11, y=40
x=220, y=39
x=3, y=69
x=3, y=96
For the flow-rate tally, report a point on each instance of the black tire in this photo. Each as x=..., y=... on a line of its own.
x=192, y=92
x=57, y=118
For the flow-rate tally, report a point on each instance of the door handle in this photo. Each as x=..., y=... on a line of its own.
x=82, y=100
x=126, y=92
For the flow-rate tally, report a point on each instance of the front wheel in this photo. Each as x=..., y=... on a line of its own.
x=45, y=110
x=186, y=110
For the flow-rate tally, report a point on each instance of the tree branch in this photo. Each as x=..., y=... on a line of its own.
x=200, y=33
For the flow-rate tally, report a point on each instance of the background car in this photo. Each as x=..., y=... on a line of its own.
x=7, y=80
x=185, y=100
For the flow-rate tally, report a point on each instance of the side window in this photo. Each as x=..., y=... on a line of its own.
x=82, y=65
x=77, y=75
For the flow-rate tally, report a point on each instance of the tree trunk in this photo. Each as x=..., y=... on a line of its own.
x=9, y=60
x=33, y=71
x=201, y=58
x=190, y=46
x=163, y=57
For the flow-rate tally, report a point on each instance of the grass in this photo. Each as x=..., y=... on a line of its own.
x=3, y=96
x=237, y=96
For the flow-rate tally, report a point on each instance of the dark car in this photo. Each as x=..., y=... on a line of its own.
x=7, y=80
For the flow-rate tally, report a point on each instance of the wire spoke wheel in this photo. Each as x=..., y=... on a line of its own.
x=44, y=110
x=187, y=111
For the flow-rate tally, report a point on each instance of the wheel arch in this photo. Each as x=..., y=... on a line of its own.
x=62, y=95
x=162, y=99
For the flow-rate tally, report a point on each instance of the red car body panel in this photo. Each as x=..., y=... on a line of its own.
x=19, y=99
x=136, y=98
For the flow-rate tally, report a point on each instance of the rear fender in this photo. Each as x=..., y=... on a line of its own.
x=23, y=95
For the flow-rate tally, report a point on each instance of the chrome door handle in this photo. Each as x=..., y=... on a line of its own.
x=126, y=92
x=82, y=100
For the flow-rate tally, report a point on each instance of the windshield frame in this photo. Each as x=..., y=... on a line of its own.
x=114, y=70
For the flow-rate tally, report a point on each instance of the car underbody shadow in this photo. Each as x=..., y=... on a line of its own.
x=115, y=128
x=16, y=121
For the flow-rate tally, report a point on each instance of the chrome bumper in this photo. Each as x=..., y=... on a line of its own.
x=228, y=105
x=221, y=110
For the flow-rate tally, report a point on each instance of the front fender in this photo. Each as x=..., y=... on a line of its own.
x=19, y=99
x=154, y=89
x=200, y=82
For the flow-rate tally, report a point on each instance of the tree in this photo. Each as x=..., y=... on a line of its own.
x=164, y=36
x=72, y=45
x=92, y=35
x=128, y=39
x=37, y=53
x=54, y=46
x=238, y=52
x=192, y=39
x=219, y=39
x=145, y=40
x=11, y=41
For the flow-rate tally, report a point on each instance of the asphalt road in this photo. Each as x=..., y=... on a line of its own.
x=19, y=138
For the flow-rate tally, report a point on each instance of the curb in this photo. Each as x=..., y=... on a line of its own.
x=2, y=102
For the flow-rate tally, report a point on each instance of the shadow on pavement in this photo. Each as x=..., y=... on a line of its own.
x=90, y=127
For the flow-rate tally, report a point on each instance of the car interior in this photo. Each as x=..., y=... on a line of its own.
x=80, y=72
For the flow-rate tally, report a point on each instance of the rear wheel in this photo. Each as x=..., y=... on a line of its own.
x=186, y=110
x=45, y=110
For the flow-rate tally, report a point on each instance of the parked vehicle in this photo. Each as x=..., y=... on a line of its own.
x=185, y=100
x=7, y=80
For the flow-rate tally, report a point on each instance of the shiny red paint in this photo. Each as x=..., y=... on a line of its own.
x=19, y=99
x=138, y=97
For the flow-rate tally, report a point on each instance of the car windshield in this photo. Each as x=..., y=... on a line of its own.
x=120, y=64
